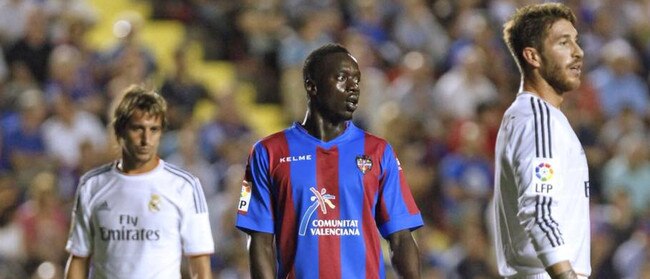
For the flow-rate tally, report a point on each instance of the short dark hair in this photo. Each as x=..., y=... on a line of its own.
x=137, y=98
x=316, y=57
x=529, y=26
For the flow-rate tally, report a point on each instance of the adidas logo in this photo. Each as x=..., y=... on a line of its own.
x=103, y=206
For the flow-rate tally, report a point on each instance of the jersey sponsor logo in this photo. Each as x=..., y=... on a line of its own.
x=364, y=163
x=335, y=227
x=323, y=201
x=295, y=158
x=244, y=197
x=128, y=231
x=154, y=203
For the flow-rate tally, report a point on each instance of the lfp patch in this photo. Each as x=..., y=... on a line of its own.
x=244, y=197
x=545, y=177
x=544, y=172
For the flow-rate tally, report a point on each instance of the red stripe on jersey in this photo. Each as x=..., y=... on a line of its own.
x=382, y=211
x=277, y=148
x=406, y=193
x=329, y=246
x=373, y=148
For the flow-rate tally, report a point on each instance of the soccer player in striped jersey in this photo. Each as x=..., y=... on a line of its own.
x=322, y=192
x=137, y=217
x=541, y=196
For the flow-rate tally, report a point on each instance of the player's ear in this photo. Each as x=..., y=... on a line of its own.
x=532, y=57
x=310, y=86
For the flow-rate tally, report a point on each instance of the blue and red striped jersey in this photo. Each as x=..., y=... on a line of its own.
x=326, y=202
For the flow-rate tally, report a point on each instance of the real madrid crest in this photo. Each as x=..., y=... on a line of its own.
x=364, y=163
x=154, y=203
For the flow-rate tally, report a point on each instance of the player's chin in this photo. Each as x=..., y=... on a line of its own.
x=145, y=157
x=347, y=115
x=573, y=83
x=568, y=84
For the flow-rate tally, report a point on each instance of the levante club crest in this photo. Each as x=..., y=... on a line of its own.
x=364, y=163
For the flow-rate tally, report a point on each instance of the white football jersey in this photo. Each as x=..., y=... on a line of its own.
x=139, y=226
x=541, y=195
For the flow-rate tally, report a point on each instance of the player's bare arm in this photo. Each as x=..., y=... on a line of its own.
x=77, y=267
x=569, y=274
x=261, y=255
x=200, y=267
x=405, y=255
x=561, y=270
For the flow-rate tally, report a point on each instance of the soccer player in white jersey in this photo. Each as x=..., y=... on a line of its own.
x=137, y=217
x=541, y=196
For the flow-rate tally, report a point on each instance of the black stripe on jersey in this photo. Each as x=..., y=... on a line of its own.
x=548, y=127
x=556, y=228
x=76, y=209
x=541, y=122
x=198, y=205
x=532, y=105
x=554, y=225
x=539, y=219
x=546, y=222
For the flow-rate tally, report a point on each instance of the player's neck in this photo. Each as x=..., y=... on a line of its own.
x=542, y=89
x=322, y=129
x=131, y=167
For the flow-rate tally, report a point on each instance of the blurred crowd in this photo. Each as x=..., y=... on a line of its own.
x=436, y=78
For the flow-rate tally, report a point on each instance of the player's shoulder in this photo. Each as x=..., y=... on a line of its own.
x=96, y=173
x=530, y=109
x=273, y=138
x=179, y=181
x=178, y=172
x=374, y=144
x=525, y=105
x=371, y=138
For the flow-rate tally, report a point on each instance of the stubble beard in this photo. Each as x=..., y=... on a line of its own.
x=557, y=77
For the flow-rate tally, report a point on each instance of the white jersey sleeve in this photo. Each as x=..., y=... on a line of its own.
x=80, y=239
x=538, y=173
x=195, y=231
x=541, y=196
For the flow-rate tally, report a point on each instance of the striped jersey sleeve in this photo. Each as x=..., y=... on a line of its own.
x=538, y=167
x=80, y=236
x=195, y=230
x=397, y=209
x=254, y=210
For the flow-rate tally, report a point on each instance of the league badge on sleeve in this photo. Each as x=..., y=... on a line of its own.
x=544, y=176
x=364, y=163
x=245, y=197
x=544, y=172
